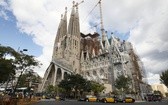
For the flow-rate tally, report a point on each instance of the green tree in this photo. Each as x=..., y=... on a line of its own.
x=74, y=82
x=96, y=87
x=7, y=67
x=122, y=82
x=24, y=63
x=28, y=77
x=166, y=94
x=7, y=72
x=164, y=77
x=52, y=89
x=18, y=61
x=158, y=92
x=65, y=84
x=78, y=84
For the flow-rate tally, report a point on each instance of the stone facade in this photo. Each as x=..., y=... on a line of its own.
x=95, y=58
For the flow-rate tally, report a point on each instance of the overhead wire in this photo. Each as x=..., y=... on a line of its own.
x=69, y=9
x=90, y=12
x=88, y=16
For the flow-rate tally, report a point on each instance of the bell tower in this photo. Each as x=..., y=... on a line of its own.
x=74, y=38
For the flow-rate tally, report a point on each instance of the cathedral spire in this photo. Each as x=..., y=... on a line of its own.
x=59, y=29
x=107, y=44
x=64, y=30
x=77, y=21
x=112, y=38
x=73, y=28
x=71, y=21
x=57, y=39
x=77, y=14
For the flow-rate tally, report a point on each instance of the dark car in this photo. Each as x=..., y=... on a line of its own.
x=81, y=99
x=153, y=97
x=149, y=97
x=157, y=97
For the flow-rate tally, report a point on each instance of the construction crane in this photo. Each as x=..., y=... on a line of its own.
x=110, y=49
x=101, y=22
x=77, y=4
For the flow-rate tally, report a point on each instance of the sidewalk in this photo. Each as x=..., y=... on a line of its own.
x=138, y=101
x=27, y=101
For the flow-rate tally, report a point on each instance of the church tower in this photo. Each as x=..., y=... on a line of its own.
x=74, y=39
x=60, y=41
x=66, y=51
x=67, y=42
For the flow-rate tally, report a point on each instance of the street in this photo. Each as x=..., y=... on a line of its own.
x=72, y=102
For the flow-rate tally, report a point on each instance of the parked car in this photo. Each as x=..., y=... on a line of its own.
x=90, y=98
x=45, y=97
x=149, y=97
x=81, y=99
x=157, y=97
x=153, y=97
x=128, y=100
x=109, y=100
x=60, y=98
x=99, y=98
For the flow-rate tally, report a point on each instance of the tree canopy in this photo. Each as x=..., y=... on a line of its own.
x=74, y=81
x=6, y=71
x=77, y=83
x=164, y=77
x=11, y=60
x=7, y=66
x=96, y=87
x=122, y=82
x=26, y=78
x=51, y=89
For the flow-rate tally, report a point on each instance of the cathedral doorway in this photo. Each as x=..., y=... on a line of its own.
x=59, y=75
x=65, y=74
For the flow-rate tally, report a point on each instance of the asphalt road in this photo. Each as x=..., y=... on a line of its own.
x=72, y=102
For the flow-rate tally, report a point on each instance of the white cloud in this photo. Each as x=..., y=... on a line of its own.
x=3, y=7
x=146, y=20
x=149, y=37
x=153, y=78
x=3, y=15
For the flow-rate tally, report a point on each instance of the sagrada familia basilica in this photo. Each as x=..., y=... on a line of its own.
x=94, y=56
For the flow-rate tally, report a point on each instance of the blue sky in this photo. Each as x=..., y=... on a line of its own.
x=32, y=24
x=11, y=36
